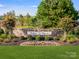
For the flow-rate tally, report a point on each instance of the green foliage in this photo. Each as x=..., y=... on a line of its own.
x=46, y=23
x=7, y=36
x=29, y=38
x=9, y=23
x=37, y=38
x=21, y=20
x=71, y=38
x=3, y=36
x=11, y=36
x=50, y=12
x=1, y=17
x=9, y=15
x=46, y=38
x=1, y=31
x=25, y=20
x=34, y=22
x=75, y=32
x=67, y=24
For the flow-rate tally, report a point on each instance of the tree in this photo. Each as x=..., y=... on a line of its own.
x=67, y=24
x=25, y=20
x=1, y=31
x=50, y=12
x=1, y=17
x=9, y=15
x=33, y=21
x=21, y=20
x=28, y=20
x=9, y=23
x=78, y=15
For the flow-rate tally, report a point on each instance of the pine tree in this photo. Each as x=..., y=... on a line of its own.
x=50, y=12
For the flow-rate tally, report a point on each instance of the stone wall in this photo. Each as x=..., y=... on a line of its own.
x=25, y=32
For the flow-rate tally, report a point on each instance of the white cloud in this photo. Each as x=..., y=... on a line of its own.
x=1, y=5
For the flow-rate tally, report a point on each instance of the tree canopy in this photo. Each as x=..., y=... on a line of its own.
x=50, y=12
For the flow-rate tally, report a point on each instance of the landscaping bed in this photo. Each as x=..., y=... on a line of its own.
x=42, y=43
x=36, y=43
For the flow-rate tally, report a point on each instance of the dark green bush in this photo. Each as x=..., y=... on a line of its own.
x=33, y=38
x=42, y=38
x=75, y=32
x=37, y=38
x=1, y=31
x=51, y=38
x=46, y=38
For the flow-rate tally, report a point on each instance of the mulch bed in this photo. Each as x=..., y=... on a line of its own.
x=37, y=43
x=41, y=43
x=48, y=43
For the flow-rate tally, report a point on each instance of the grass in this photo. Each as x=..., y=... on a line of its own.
x=39, y=52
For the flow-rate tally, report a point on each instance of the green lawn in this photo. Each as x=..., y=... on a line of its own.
x=39, y=52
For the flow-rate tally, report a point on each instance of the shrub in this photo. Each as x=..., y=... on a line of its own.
x=22, y=38
x=75, y=32
x=9, y=36
x=42, y=38
x=15, y=40
x=29, y=38
x=3, y=36
x=51, y=38
x=37, y=38
x=57, y=38
x=7, y=40
x=1, y=40
x=1, y=31
x=46, y=38
x=71, y=38
x=33, y=38
x=13, y=36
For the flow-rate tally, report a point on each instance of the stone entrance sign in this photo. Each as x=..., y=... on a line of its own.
x=39, y=33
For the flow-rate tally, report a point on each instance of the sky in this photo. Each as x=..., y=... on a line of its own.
x=24, y=6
